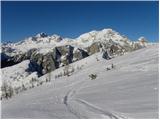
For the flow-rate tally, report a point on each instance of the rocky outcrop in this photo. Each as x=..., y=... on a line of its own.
x=105, y=55
x=44, y=63
x=47, y=53
x=60, y=56
x=113, y=48
x=94, y=48
x=41, y=35
x=12, y=60
x=79, y=54
x=5, y=61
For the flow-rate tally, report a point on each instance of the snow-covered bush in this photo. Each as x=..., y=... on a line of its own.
x=93, y=76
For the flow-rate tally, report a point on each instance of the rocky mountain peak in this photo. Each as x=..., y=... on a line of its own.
x=107, y=30
x=142, y=39
x=42, y=34
x=90, y=42
x=56, y=38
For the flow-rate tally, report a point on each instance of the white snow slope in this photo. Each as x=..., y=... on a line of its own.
x=130, y=90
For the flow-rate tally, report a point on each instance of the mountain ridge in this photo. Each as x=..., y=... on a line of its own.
x=37, y=47
x=45, y=54
x=42, y=40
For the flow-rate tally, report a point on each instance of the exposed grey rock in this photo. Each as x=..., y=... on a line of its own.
x=94, y=48
x=5, y=60
x=4, y=56
x=44, y=63
x=105, y=55
x=42, y=35
x=80, y=54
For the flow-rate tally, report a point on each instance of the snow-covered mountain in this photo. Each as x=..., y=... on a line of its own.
x=123, y=87
x=80, y=78
x=88, y=43
x=41, y=54
x=44, y=43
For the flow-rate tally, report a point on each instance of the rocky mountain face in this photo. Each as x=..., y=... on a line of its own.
x=48, y=53
x=44, y=63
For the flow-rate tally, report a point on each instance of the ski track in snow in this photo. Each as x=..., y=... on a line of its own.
x=72, y=96
x=85, y=110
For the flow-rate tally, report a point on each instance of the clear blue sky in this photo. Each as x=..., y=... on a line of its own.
x=70, y=19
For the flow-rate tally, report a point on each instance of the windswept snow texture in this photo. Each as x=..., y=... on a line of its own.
x=129, y=90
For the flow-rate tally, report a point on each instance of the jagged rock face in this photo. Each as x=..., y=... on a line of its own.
x=62, y=55
x=42, y=35
x=136, y=46
x=94, y=48
x=105, y=55
x=12, y=60
x=113, y=48
x=79, y=54
x=48, y=53
x=143, y=41
x=4, y=57
x=117, y=50
x=20, y=57
x=45, y=63
x=5, y=60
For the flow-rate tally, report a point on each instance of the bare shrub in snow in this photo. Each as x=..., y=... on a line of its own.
x=111, y=67
x=23, y=87
x=93, y=76
x=68, y=70
x=72, y=70
x=79, y=67
x=40, y=83
x=7, y=91
x=97, y=59
x=59, y=75
x=34, y=82
x=49, y=77
x=56, y=76
x=108, y=68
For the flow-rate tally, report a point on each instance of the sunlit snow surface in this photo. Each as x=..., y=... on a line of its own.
x=47, y=43
x=130, y=90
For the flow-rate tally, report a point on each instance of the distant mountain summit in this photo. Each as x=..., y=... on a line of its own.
x=24, y=62
x=44, y=41
x=51, y=52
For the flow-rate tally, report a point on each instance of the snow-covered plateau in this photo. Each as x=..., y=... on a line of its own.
x=100, y=74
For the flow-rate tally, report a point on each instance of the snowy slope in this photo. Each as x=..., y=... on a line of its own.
x=18, y=76
x=129, y=90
